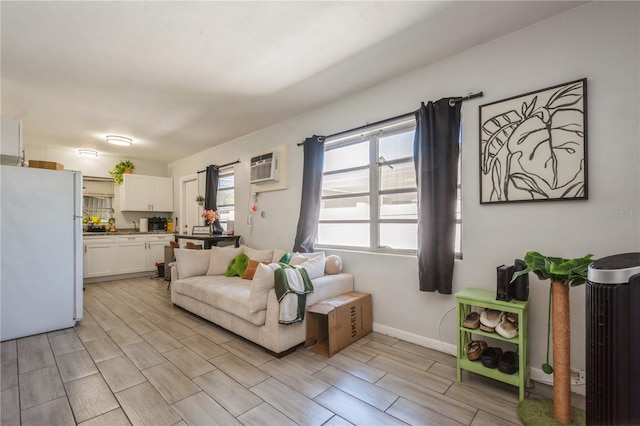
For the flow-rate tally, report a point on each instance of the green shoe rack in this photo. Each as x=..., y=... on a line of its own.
x=471, y=299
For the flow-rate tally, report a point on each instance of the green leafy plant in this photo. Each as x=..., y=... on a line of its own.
x=119, y=170
x=572, y=272
x=200, y=198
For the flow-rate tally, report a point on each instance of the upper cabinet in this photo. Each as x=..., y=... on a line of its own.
x=146, y=193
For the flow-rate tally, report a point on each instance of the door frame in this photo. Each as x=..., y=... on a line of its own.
x=183, y=185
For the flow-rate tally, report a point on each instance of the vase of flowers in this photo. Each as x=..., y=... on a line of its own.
x=210, y=216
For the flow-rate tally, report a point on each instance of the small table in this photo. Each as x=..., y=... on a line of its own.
x=210, y=240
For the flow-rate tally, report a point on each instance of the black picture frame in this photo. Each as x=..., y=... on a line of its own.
x=200, y=230
x=533, y=147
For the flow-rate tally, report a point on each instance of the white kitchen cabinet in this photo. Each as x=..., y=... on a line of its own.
x=131, y=254
x=99, y=256
x=146, y=193
x=155, y=249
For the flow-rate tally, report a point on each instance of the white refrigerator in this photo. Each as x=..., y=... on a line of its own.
x=41, y=255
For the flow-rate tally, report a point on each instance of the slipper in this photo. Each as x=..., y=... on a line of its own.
x=490, y=357
x=491, y=317
x=508, y=362
x=487, y=329
x=507, y=329
x=475, y=349
x=472, y=321
x=511, y=317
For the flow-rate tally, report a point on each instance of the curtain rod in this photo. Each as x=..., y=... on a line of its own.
x=397, y=117
x=224, y=165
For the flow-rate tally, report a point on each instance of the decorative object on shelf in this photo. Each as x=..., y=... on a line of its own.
x=200, y=200
x=210, y=216
x=124, y=166
x=112, y=224
x=533, y=147
x=563, y=273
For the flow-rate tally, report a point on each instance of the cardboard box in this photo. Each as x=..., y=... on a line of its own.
x=335, y=323
x=45, y=165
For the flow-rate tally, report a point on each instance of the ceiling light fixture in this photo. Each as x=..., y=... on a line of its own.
x=119, y=140
x=87, y=153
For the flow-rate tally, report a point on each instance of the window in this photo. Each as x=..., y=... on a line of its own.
x=369, y=193
x=226, y=201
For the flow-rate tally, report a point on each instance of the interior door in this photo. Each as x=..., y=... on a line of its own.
x=189, y=207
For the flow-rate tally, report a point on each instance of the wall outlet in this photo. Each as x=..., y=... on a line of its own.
x=578, y=377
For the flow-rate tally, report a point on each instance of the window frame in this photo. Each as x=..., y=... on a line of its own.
x=372, y=137
x=224, y=172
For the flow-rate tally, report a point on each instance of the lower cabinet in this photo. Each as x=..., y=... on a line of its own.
x=98, y=257
x=107, y=255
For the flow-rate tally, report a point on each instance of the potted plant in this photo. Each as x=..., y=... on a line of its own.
x=563, y=273
x=124, y=166
x=200, y=200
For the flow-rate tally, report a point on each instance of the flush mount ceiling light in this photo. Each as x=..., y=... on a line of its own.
x=87, y=153
x=119, y=140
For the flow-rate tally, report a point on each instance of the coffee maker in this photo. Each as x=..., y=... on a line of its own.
x=157, y=224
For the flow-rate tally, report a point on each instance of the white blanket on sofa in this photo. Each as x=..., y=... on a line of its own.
x=292, y=286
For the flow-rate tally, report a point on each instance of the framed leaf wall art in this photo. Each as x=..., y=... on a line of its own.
x=533, y=147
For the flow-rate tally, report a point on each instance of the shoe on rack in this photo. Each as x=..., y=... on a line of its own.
x=487, y=329
x=511, y=317
x=472, y=321
x=490, y=357
x=491, y=318
x=508, y=362
x=507, y=329
x=475, y=349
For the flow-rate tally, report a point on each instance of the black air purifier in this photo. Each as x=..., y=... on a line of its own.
x=613, y=340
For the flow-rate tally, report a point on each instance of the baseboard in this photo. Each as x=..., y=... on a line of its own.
x=536, y=373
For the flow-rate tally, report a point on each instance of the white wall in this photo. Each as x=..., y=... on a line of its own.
x=100, y=167
x=599, y=41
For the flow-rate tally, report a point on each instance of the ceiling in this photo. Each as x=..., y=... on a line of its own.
x=179, y=77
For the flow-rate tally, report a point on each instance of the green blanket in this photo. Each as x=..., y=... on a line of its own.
x=292, y=286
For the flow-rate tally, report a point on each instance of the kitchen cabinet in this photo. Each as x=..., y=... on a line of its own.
x=98, y=256
x=131, y=253
x=146, y=193
x=155, y=249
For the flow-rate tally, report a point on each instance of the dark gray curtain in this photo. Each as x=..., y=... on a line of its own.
x=435, y=154
x=307, y=232
x=211, y=194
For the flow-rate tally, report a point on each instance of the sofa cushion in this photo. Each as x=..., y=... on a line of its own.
x=312, y=262
x=252, y=266
x=262, y=282
x=229, y=294
x=191, y=262
x=259, y=255
x=220, y=259
x=237, y=266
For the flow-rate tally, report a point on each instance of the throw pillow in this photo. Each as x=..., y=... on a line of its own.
x=333, y=264
x=262, y=282
x=252, y=267
x=259, y=255
x=277, y=255
x=286, y=258
x=237, y=266
x=314, y=266
x=191, y=263
x=220, y=259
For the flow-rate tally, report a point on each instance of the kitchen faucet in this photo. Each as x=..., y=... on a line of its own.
x=135, y=228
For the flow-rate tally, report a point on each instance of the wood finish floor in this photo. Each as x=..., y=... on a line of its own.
x=137, y=359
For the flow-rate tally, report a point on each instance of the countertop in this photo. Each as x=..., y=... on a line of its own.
x=126, y=232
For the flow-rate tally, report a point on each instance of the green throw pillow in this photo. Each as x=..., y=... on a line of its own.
x=237, y=265
x=286, y=258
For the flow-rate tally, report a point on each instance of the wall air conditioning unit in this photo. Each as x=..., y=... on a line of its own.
x=264, y=168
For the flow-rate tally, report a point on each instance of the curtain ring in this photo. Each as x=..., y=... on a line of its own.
x=452, y=102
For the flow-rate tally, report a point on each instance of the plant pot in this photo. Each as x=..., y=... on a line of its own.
x=127, y=171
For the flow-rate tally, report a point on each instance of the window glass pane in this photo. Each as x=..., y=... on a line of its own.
x=402, y=175
x=225, y=196
x=347, y=157
x=351, y=208
x=344, y=234
x=226, y=181
x=226, y=213
x=396, y=146
x=458, y=238
x=399, y=206
x=399, y=236
x=354, y=182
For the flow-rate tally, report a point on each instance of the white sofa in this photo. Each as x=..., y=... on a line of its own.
x=238, y=304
